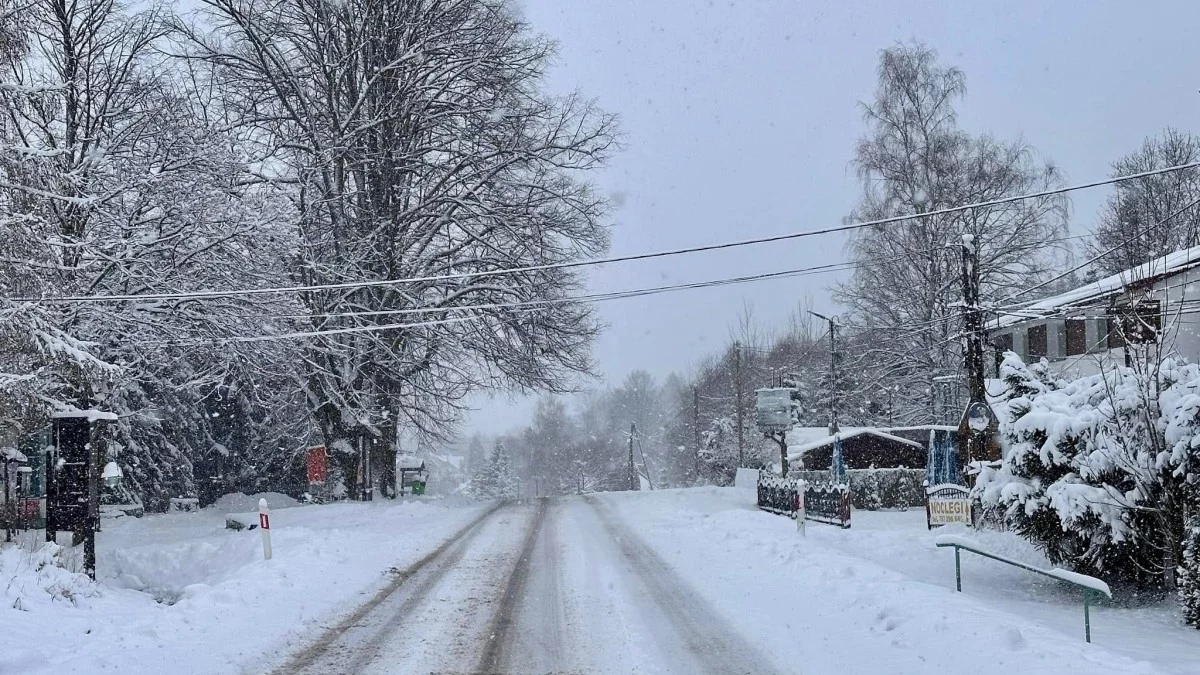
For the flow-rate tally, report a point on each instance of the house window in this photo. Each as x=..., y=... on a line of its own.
x=1136, y=324
x=1076, y=337
x=1037, y=342
x=1112, y=333
x=1003, y=343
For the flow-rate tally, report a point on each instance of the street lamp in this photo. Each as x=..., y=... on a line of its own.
x=978, y=417
x=112, y=475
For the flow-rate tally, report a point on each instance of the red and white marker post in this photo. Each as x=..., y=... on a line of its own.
x=264, y=524
x=800, y=518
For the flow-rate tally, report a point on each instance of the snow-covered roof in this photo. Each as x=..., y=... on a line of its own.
x=1172, y=263
x=798, y=436
x=798, y=450
x=13, y=454
x=409, y=462
x=925, y=427
x=455, y=461
x=90, y=415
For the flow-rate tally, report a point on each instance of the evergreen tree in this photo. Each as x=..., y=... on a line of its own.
x=505, y=484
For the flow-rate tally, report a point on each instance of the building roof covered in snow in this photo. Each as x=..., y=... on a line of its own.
x=803, y=439
x=409, y=462
x=1167, y=265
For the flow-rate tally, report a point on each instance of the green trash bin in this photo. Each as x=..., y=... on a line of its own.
x=418, y=487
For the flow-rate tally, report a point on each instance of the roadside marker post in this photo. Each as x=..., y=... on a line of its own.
x=264, y=524
x=800, y=516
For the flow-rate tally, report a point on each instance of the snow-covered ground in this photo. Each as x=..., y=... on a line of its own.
x=179, y=593
x=880, y=597
x=669, y=581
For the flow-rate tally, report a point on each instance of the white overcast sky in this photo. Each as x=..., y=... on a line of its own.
x=740, y=120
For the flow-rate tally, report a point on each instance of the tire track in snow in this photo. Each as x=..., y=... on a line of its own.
x=320, y=656
x=501, y=638
x=715, y=645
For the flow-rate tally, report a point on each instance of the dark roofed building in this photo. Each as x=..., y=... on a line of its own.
x=863, y=447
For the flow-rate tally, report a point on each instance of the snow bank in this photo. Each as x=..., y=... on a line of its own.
x=37, y=579
x=746, y=479
x=179, y=593
x=237, y=502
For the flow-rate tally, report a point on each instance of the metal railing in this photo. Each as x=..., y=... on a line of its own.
x=1089, y=585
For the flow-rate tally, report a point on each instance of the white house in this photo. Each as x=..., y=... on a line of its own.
x=1083, y=328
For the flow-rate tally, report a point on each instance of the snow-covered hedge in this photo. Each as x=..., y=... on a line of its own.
x=1100, y=470
x=873, y=489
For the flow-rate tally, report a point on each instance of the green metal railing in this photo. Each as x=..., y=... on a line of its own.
x=1061, y=575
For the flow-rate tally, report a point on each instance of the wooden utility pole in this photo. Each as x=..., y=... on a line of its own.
x=634, y=484
x=977, y=427
x=738, y=411
x=833, y=380
x=696, y=430
x=780, y=438
x=972, y=321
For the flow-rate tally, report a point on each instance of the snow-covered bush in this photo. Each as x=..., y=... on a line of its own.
x=874, y=489
x=871, y=491
x=1189, y=574
x=1098, y=468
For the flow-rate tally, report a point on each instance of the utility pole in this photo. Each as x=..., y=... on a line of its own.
x=972, y=321
x=634, y=484
x=833, y=381
x=978, y=426
x=696, y=430
x=739, y=413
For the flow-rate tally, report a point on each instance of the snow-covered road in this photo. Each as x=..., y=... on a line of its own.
x=557, y=586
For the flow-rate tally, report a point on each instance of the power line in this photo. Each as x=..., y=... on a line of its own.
x=1104, y=254
x=625, y=258
x=617, y=295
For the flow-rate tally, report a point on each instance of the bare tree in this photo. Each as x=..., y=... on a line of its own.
x=115, y=179
x=414, y=142
x=1152, y=216
x=914, y=159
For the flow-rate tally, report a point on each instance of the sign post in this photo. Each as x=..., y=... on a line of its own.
x=264, y=524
